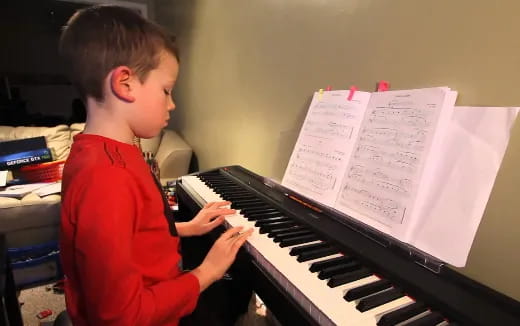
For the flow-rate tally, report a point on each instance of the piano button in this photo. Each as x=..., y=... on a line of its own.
x=338, y=269
x=275, y=232
x=402, y=314
x=338, y=280
x=268, y=220
x=318, y=253
x=297, y=240
x=379, y=299
x=289, y=234
x=318, y=266
x=300, y=249
x=366, y=290
x=430, y=319
x=276, y=225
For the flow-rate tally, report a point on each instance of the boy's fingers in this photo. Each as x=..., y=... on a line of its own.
x=241, y=239
x=216, y=213
x=231, y=233
x=218, y=204
x=216, y=221
x=226, y=211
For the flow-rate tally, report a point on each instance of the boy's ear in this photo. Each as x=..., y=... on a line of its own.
x=121, y=83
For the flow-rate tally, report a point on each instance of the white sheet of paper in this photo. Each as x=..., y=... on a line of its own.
x=53, y=188
x=3, y=178
x=325, y=144
x=473, y=151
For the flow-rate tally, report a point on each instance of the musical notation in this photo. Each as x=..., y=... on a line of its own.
x=315, y=170
x=383, y=208
x=324, y=144
x=328, y=129
x=380, y=179
x=382, y=176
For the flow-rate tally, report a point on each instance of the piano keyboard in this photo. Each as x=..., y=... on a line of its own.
x=331, y=285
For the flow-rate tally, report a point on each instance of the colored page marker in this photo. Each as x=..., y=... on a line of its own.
x=320, y=93
x=353, y=89
x=328, y=89
x=383, y=86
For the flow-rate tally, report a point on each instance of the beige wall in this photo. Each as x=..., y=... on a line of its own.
x=249, y=68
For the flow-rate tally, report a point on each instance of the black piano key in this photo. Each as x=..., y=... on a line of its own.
x=402, y=314
x=270, y=217
x=246, y=205
x=319, y=265
x=259, y=216
x=338, y=269
x=318, y=253
x=345, y=278
x=430, y=319
x=298, y=250
x=248, y=202
x=265, y=221
x=276, y=225
x=226, y=189
x=253, y=212
x=226, y=185
x=294, y=228
x=367, y=289
x=298, y=240
x=236, y=196
x=245, y=211
x=379, y=299
x=286, y=235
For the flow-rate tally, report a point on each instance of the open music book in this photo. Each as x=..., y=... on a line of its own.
x=385, y=158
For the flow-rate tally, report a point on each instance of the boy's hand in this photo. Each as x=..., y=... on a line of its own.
x=209, y=217
x=220, y=256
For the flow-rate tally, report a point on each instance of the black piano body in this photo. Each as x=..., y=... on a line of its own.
x=460, y=300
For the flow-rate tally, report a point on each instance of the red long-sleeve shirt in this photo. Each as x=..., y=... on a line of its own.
x=118, y=256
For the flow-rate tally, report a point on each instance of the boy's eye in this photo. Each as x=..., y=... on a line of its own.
x=167, y=92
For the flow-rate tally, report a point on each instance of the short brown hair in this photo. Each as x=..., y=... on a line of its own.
x=98, y=39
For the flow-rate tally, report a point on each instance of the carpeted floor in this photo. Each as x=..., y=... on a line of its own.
x=41, y=298
x=37, y=299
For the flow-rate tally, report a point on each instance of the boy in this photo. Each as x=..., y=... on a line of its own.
x=119, y=250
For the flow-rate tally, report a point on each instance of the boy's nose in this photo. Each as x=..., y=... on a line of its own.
x=171, y=105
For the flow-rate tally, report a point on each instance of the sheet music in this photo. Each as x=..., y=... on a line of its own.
x=382, y=177
x=325, y=144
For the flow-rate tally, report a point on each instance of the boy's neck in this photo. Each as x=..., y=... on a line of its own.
x=103, y=120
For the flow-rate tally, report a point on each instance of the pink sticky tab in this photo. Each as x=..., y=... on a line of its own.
x=353, y=89
x=329, y=88
x=383, y=85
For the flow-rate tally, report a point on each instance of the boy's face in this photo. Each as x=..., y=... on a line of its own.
x=153, y=100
